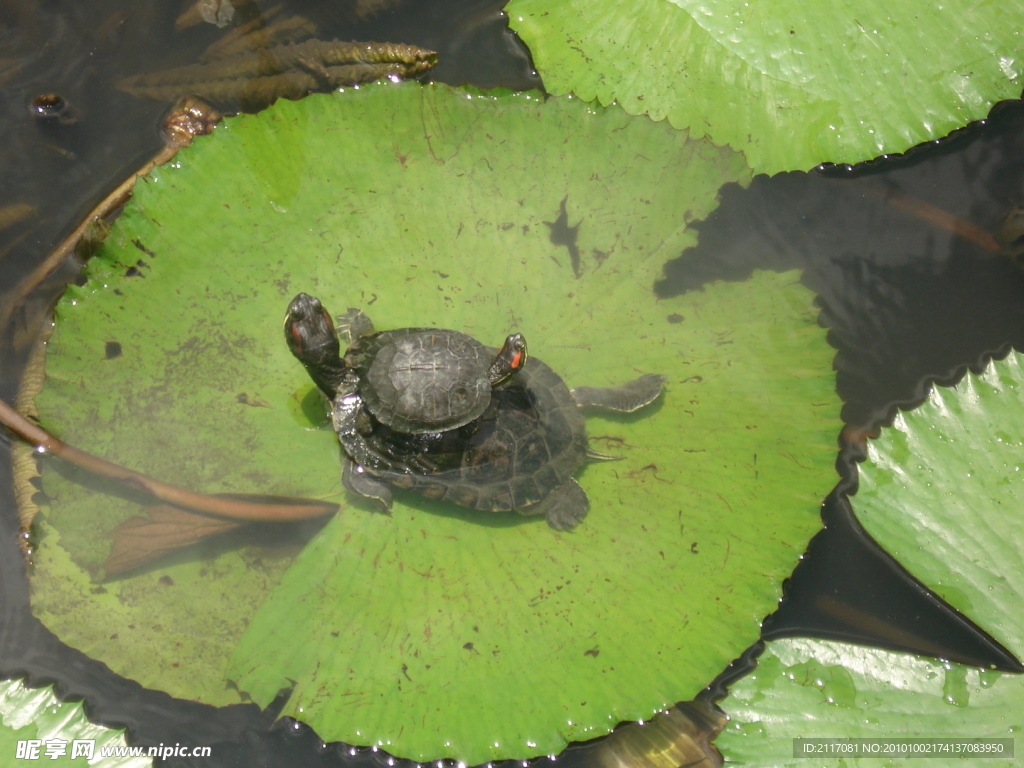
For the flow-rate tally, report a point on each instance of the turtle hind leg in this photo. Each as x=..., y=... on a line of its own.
x=564, y=507
x=359, y=481
x=625, y=398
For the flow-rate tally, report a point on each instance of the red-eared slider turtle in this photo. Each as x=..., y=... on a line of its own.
x=520, y=453
x=415, y=385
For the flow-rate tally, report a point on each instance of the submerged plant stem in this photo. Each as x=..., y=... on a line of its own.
x=297, y=509
x=943, y=219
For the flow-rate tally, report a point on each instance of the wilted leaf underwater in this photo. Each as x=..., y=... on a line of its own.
x=790, y=84
x=940, y=491
x=287, y=70
x=428, y=206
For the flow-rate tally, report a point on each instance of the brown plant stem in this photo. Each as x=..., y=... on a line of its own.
x=176, y=137
x=943, y=219
x=297, y=509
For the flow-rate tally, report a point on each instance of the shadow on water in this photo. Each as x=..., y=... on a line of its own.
x=906, y=302
x=909, y=299
x=848, y=589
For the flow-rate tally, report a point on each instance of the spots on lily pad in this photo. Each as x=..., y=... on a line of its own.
x=253, y=400
x=138, y=244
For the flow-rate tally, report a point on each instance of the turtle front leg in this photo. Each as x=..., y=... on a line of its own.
x=625, y=398
x=353, y=325
x=359, y=454
x=347, y=415
x=359, y=481
x=352, y=424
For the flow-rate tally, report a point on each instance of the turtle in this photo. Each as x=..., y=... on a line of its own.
x=413, y=386
x=519, y=454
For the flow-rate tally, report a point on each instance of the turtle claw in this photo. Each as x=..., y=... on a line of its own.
x=359, y=481
x=419, y=465
x=593, y=455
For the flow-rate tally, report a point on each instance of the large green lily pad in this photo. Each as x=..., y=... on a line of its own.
x=816, y=689
x=941, y=491
x=437, y=632
x=788, y=83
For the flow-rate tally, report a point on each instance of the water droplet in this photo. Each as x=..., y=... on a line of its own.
x=988, y=677
x=954, y=688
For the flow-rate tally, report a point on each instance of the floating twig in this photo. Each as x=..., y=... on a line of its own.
x=276, y=509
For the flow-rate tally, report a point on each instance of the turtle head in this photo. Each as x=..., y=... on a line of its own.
x=310, y=335
x=510, y=358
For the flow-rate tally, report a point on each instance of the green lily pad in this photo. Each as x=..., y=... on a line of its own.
x=35, y=718
x=940, y=491
x=812, y=689
x=429, y=206
x=790, y=84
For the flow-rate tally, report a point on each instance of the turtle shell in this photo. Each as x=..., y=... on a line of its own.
x=531, y=439
x=420, y=380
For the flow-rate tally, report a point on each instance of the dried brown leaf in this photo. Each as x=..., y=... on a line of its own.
x=140, y=540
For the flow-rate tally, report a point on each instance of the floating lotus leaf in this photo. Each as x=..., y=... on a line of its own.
x=36, y=714
x=941, y=491
x=816, y=689
x=437, y=631
x=788, y=83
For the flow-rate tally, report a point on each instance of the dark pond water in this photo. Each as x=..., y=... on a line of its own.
x=907, y=302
